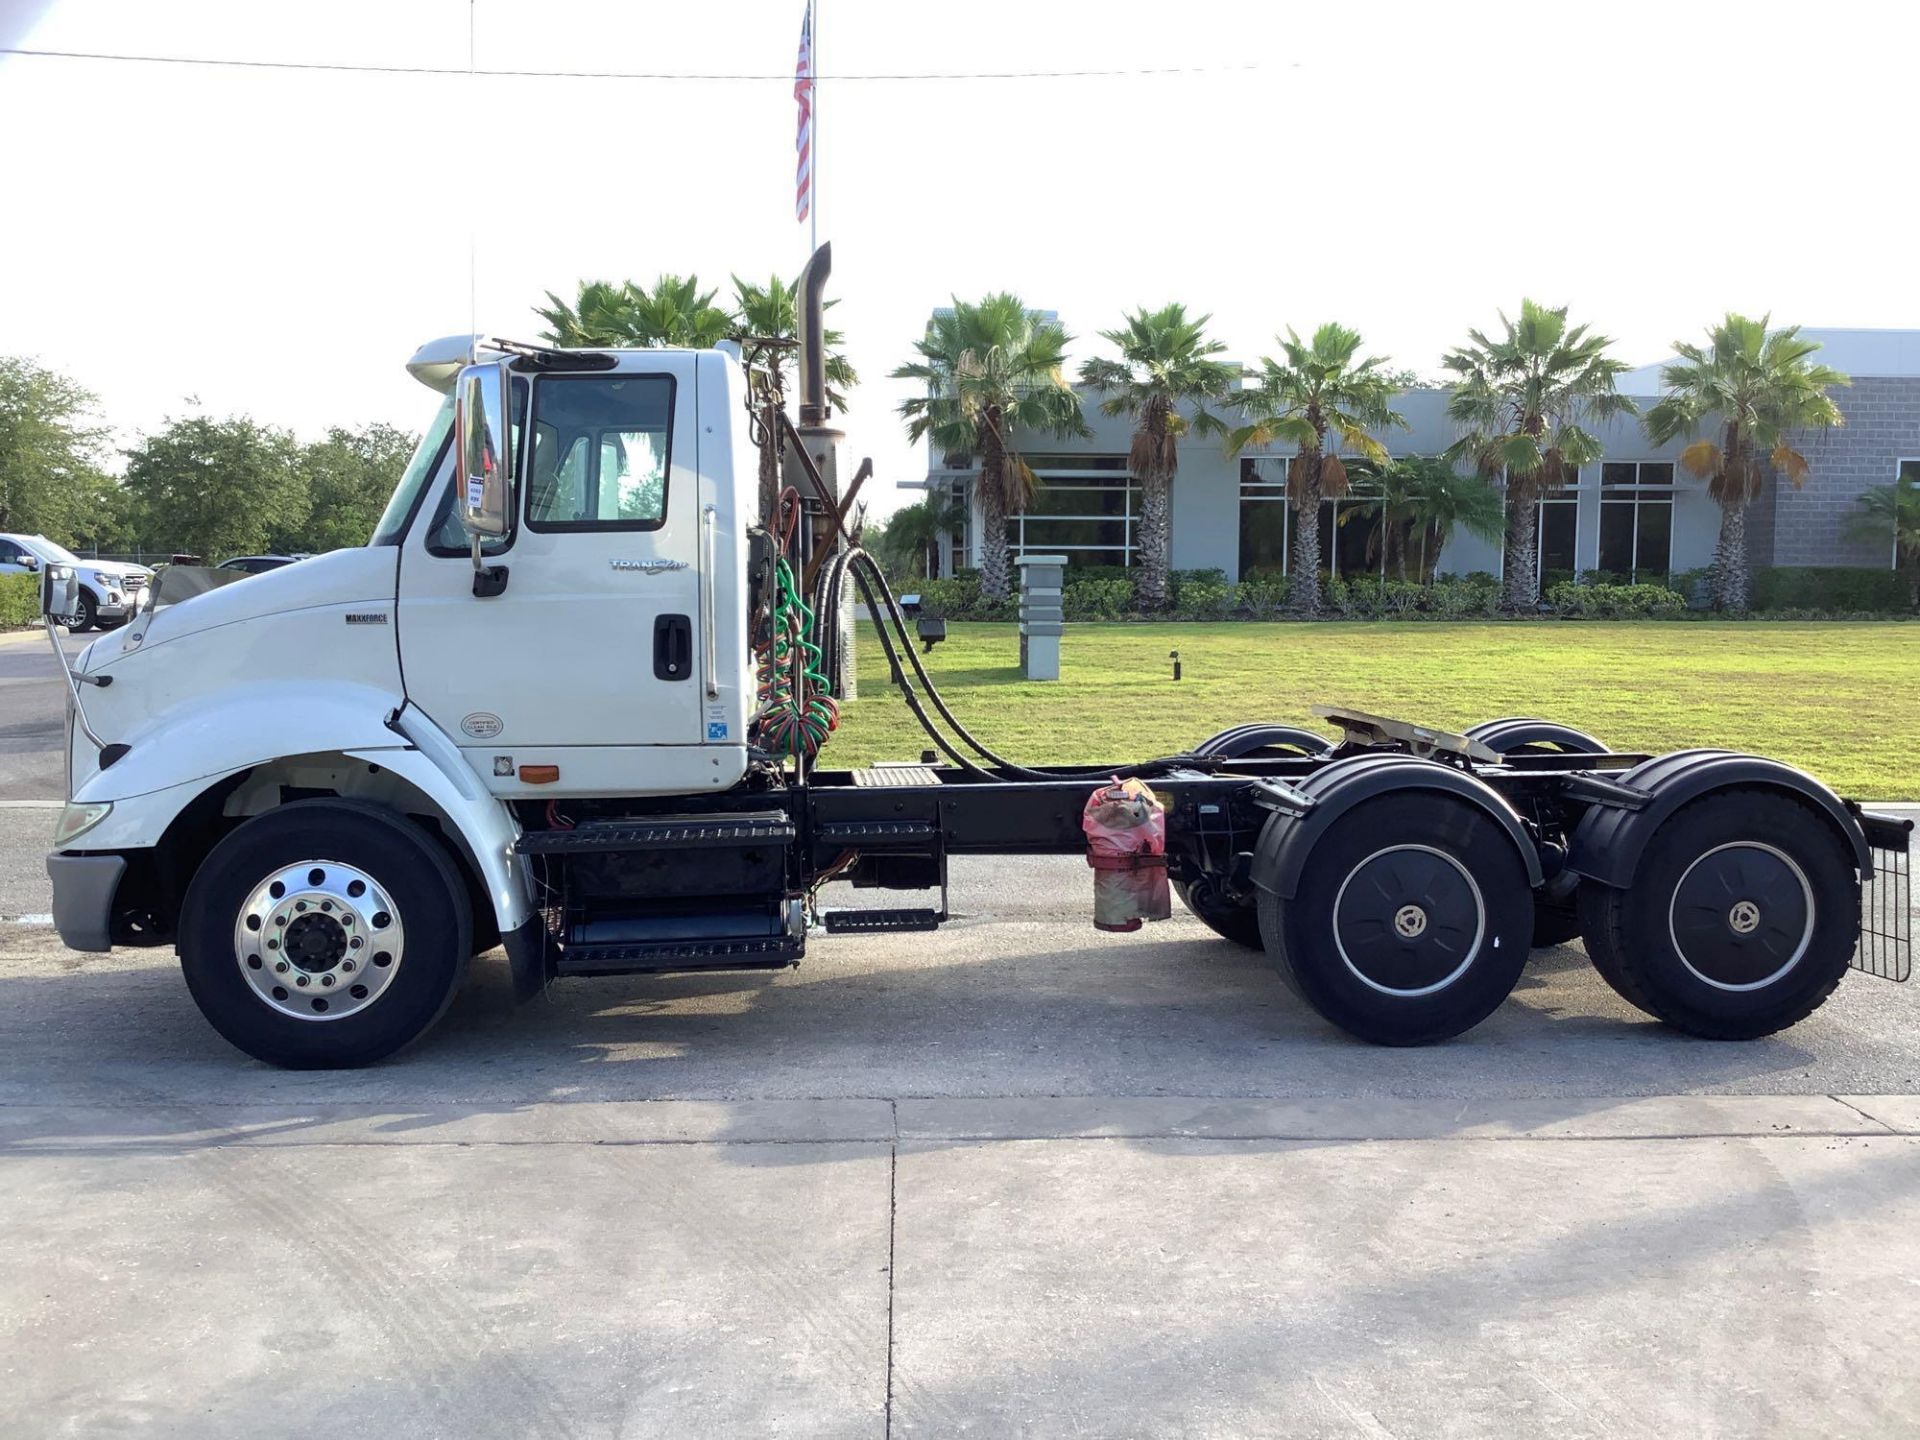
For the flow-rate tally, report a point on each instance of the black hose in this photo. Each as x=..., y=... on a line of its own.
x=862, y=565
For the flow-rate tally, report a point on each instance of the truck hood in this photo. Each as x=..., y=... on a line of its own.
x=369, y=574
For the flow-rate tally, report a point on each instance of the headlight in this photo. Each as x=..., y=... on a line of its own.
x=100, y=577
x=76, y=820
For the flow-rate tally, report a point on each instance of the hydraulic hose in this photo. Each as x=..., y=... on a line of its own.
x=863, y=567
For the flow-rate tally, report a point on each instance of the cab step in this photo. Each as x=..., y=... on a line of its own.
x=867, y=922
x=662, y=832
x=646, y=957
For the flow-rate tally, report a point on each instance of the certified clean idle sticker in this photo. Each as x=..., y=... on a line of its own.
x=482, y=725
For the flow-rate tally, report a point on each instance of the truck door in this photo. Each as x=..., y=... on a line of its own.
x=589, y=660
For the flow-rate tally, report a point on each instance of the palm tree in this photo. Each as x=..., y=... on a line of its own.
x=1165, y=362
x=912, y=534
x=765, y=323
x=675, y=313
x=1760, y=388
x=990, y=368
x=1320, y=389
x=1422, y=501
x=1892, y=513
x=1523, y=403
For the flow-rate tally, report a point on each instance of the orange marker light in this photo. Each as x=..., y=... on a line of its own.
x=539, y=774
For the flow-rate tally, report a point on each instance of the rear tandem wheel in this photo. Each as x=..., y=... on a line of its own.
x=1410, y=920
x=1740, y=920
x=1228, y=918
x=1556, y=918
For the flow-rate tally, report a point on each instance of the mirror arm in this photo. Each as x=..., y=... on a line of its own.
x=488, y=580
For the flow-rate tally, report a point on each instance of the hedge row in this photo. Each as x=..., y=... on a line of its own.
x=19, y=600
x=1097, y=592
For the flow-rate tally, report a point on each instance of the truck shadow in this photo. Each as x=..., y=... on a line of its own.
x=1006, y=1010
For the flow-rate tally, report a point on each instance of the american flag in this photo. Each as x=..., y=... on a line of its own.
x=803, y=139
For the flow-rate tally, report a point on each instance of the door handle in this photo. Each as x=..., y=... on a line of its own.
x=672, y=647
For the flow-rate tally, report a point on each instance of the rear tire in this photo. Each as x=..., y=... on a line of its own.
x=1238, y=923
x=1741, y=918
x=1555, y=921
x=387, y=890
x=1410, y=923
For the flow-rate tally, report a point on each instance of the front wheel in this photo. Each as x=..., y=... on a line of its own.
x=1740, y=920
x=327, y=933
x=1409, y=923
x=88, y=617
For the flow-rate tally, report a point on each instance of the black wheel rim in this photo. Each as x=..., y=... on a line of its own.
x=1409, y=920
x=1741, y=916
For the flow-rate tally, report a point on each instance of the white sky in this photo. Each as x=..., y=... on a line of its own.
x=277, y=243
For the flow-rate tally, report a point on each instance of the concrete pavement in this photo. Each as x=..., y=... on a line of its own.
x=1011, y=1179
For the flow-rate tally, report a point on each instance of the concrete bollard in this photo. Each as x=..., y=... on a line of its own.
x=1041, y=618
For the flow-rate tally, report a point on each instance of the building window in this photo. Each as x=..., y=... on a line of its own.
x=1557, y=535
x=959, y=540
x=1636, y=518
x=1351, y=529
x=1348, y=526
x=1085, y=508
x=1266, y=519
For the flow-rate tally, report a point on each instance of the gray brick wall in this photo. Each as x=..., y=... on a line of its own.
x=1809, y=525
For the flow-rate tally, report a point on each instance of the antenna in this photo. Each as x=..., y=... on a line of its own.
x=473, y=225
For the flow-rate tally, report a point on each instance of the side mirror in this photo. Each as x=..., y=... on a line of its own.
x=32, y=562
x=59, y=594
x=484, y=435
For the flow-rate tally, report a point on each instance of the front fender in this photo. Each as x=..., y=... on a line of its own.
x=163, y=774
x=231, y=728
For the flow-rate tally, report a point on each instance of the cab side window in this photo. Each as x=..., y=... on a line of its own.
x=607, y=463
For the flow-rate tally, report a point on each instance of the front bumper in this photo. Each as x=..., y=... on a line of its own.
x=83, y=891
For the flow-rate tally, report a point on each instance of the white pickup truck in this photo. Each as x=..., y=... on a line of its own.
x=109, y=590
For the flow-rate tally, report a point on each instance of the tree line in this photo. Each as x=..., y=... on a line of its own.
x=199, y=485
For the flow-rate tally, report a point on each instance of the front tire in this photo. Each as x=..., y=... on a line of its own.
x=88, y=617
x=1410, y=922
x=325, y=934
x=1740, y=920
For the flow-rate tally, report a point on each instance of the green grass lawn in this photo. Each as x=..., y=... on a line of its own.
x=1842, y=700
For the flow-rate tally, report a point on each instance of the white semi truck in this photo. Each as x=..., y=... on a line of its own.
x=570, y=699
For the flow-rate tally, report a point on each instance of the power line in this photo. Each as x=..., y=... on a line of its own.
x=343, y=67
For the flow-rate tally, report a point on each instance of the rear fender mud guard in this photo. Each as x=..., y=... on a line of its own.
x=1302, y=813
x=1611, y=837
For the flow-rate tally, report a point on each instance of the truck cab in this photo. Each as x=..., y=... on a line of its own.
x=589, y=640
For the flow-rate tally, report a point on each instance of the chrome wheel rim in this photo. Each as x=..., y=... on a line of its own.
x=318, y=940
x=1741, y=916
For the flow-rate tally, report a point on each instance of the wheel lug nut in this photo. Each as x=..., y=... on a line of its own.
x=280, y=967
x=326, y=980
x=326, y=905
x=299, y=904
x=273, y=944
x=300, y=980
x=355, y=942
x=346, y=965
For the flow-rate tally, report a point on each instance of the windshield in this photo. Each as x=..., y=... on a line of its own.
x=393, y=520
x=47, y=550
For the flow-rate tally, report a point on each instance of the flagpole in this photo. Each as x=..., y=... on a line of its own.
x=813, y=168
